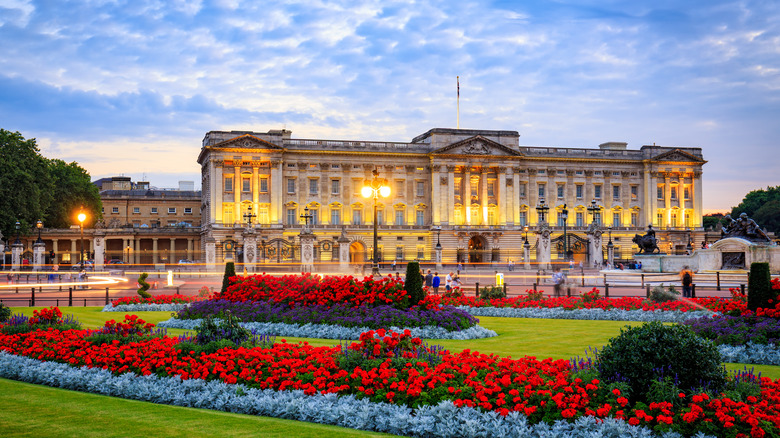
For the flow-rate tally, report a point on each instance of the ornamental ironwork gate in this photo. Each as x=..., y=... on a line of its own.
x=578, y=248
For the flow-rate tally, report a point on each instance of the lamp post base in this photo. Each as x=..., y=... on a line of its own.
x=375, y=271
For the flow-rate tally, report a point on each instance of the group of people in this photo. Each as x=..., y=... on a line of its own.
x=433, y=281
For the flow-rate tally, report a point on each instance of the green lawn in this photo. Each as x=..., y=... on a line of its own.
x=31, y=410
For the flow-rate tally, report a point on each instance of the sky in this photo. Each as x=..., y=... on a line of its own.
x=131, y=87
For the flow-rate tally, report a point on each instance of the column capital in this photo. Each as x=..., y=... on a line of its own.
x=451, y=168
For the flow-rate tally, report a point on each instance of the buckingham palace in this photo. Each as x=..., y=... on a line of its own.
x=478, y=195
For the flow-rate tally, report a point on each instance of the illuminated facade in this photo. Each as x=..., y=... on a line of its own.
x=481, y=187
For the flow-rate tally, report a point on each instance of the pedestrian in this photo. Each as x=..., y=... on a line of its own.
x=435, y=283
x=686, y=277
x=429, y=279
x=511, y=265
x=398, y=277
x=460, y=267
x=392, y=265
x=10, y=278
x=448, y=281
x=558, y=279
x=82, y=275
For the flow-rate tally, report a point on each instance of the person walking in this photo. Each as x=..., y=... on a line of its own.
x=448, y=281
x=558, y=279
x=686, y=278
x=435, y=283
x=429, y=279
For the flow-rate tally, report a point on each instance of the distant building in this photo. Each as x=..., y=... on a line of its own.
x=481, y=187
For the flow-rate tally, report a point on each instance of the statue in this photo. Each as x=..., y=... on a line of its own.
x=744, y=228
x=648, y=244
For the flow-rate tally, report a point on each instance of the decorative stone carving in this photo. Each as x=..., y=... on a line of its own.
x=443, y=180
x=476, y=148
x=745, y=228
x=451, y=168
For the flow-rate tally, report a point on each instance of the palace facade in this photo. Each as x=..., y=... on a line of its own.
x=478, y=193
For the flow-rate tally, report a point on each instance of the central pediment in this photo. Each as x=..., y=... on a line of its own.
x=246, y=141
x=477, y=145
x=677, y=155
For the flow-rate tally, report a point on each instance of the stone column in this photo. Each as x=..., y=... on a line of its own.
x=211, y=253
x=16, y=256
x=667, y=200
x=610, y=255
x=307, y=250
x=237, y=186
x=38, y=257
x=449, y=214
x=74, y=252
x=516, y=196
x=594, y=246
x=343, y=251
x=696, y=202
x=483, y=197
x=250, y=248
x=256, y=190
x=189, y=248
x=136, y=250
x=55, y=249
x=648, y=199
x=436, y=204
x=218, y=188
x=276, y=192
x=527, y=255
x=100, y=249
x=154, y=250
x=543, y=246
x=466, y=181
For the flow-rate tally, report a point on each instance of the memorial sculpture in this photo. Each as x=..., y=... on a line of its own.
x=647, y=243
x=744, y=228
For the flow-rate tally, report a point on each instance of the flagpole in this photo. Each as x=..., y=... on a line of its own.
x=457, y=79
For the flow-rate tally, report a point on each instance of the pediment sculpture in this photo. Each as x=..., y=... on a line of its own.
x=744, y=228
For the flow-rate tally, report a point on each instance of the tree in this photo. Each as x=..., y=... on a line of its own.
x=230, y=271
x=413, y=283
x=713, y=221
x=754, y=201
x=25, y=183
x=73, y=189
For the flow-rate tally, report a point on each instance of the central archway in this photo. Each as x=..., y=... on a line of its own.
x=357, y=252
x=477, y=248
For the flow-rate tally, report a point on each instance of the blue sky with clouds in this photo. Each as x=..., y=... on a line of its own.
x=131, y=87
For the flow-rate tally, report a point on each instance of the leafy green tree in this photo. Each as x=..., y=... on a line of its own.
x=73, y=189
x=713, y=221
x=753, y=203
x=25, y=183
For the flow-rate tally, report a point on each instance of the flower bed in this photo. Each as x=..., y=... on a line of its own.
x=586, y=314
x=311, y=290
x=345, y=315
x=156, y=299
x=391, y=368
x=329, y=331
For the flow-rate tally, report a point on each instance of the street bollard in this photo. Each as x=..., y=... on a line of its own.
x=643, y=280
x=32, y=298
x=70, y=296
x=717, y=279
x=647, y=293
x=106, y=296
x=606, y=290
x=476, y=290
x=693, y=290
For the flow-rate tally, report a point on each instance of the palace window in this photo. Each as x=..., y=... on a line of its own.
x=335, y=216
x=420, y=218
x=171, y=210
x=541, y=190
x=264, y=185
x=578, y=189
x=136, y=210
x=154, y=210
x=491, y=188
x=399, y=217
x=634, y=193
x=597, y=191
x=187, y=210
x=597, y=218
x=227, y=214
x=262, y=215
x=357, y=216
x=674, y=192
x=560, y=219
x=616, y=220
x=380, y=216
x=399, y=252
x=687, y=192
x=616, y=192
x=228, y=183
x=634, y=219
x=315, y=216
x=246, y=184
x=660, y=191
x=659, y=219
x=560, y=191
x=292, y=217
x=420, y=188
x=290, y=185
x=420, y=252
x=114, y=210
x=521, y=190
x=580, y=219
x=674, y=220
x=457, y=187
x=399, y=187
x=522, y=220
x=313, y=184
x=335, y=187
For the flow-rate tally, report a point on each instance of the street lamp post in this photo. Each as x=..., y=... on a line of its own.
x=689, y=248
x=593, y=209
x=565, y=217
x=610, y=249
x=541, y=210
x=248, y=216
x=82, y=217
x=373, y=189
x=39, y=225
x=18, y=227
x=438, y=234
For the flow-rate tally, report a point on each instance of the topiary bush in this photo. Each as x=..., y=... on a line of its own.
x=492, y=292
x=413, y=284
x=230, y=271
x=5, y=312
x=142, y=291
x=760, y=287
x=660, y=295
x=645, y=355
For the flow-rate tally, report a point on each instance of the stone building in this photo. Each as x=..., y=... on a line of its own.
x=481, y=187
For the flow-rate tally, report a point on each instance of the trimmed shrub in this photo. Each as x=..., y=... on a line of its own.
x=230, y=271
x=491, y=292
x=760, y=287
x=142, y=291
x=413, y=284
x=646, y=355
x=5, y=312
x=660, y=295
